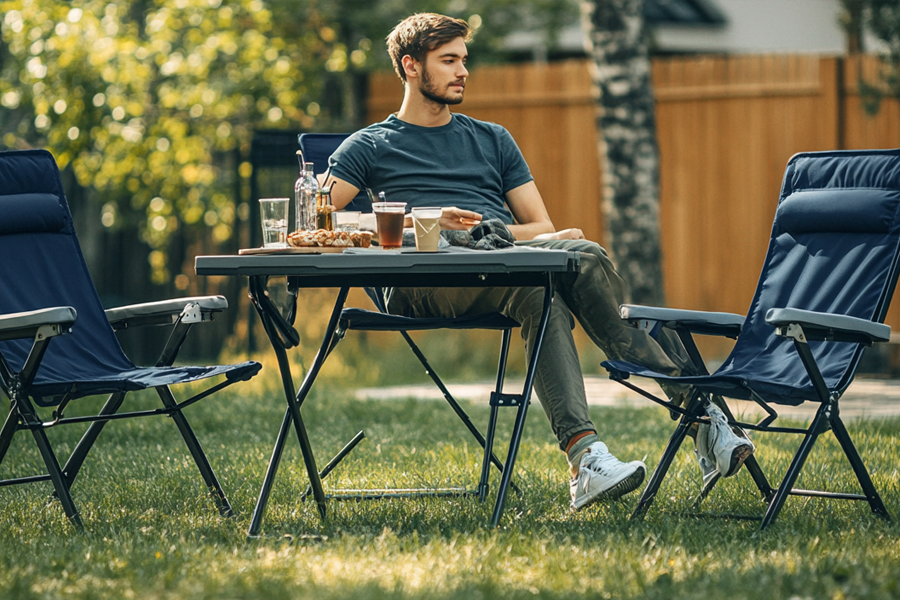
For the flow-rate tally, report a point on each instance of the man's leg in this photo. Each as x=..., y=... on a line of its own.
x=594, y=296
x=596, y=474
x=558, y=379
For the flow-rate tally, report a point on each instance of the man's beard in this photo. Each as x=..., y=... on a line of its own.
x=428, y=89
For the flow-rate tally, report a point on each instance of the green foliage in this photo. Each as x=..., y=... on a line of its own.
x=362, y=25
x=143, y=99
x=881, y=18
x=153, y=531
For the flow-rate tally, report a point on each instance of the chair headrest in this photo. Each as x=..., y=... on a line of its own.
x=838, y=211
x=31, y=213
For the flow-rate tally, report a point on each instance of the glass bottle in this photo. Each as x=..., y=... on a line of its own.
x=324, y=208
x=305, y=191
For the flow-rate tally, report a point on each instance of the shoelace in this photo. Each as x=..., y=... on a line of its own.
x=599, y=463
x=717, y=416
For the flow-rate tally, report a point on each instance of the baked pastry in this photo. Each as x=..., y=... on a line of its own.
x=323, y=238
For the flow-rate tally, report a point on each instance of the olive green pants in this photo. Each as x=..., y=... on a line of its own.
x=593, y=296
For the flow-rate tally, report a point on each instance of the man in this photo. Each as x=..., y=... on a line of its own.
x=427, y=156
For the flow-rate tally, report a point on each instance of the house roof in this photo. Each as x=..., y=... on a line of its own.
x=682, y=12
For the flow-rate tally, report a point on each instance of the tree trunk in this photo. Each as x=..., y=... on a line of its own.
x=629, y=155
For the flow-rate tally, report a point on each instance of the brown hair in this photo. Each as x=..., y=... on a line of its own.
x=421, y=33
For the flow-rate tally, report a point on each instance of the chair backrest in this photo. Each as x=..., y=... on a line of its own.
x=834, y=248
x=41, y=266
x=317, y=148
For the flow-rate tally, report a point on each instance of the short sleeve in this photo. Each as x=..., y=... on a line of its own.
x=514, y=169
x=354, y=160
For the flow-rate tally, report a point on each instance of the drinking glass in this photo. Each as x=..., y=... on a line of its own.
x=345, y=220
x=389, y=223
x=427, y=222
x=274, y=216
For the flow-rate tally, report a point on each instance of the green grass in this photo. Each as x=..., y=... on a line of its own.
x=153, y=532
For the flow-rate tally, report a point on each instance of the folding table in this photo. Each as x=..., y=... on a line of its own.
x=373, y=267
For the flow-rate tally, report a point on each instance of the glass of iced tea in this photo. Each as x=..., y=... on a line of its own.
x=389, y=223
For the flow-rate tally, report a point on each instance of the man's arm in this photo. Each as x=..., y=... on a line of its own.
x=532, y=219
x=342, y=193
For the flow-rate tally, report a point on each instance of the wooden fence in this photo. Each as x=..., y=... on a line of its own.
x=726, y=128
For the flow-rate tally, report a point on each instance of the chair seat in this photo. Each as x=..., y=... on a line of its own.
x=367, y=320
x=737, y=385
x=50, y=392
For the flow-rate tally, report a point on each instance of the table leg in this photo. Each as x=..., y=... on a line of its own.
x=293, y=409
x=519, y=426
x=294, y=412
x=256, y=521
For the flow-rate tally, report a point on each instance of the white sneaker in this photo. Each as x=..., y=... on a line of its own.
x=707, y=467
x=719, y=449
x=602, y=476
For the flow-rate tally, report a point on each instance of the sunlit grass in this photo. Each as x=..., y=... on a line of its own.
x=153, y=532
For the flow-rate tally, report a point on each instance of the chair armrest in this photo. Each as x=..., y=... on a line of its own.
x=827, y=326
x=46, y=321
x=695, y=321
x=166, y=312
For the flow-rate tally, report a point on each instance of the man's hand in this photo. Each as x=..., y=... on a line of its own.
x=565, y=234
x=452, y=218
x=457, y=218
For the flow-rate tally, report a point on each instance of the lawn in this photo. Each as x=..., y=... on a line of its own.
x=153, y=532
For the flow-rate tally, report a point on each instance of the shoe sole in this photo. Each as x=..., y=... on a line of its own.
x=627, y=485
x=738, y=456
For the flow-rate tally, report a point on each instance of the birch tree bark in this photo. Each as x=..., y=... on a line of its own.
x=629, y=154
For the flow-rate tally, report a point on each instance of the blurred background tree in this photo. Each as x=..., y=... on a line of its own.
x=144, y=102
x=881, y=20
x=629, y=151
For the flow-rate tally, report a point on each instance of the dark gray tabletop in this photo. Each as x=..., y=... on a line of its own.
x=376, y=267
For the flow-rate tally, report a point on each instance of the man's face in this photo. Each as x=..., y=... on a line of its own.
x=444, y=73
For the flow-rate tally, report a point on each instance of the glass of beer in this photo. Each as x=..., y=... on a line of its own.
x=389, y=223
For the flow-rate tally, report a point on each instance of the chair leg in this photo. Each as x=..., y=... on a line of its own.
x=484, y=481
x=759, y=478
x=24, y=407
x=79, y=454
x=206, y=471
x=56, y=476
x=793, y=472
x=525, y=399
x=488, y=445
x=8, y=430
x=463, y=416
x=506, y=477
x=662, y=467
x=753, y=468
x=859, y=468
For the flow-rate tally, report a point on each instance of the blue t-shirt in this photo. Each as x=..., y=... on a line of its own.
x=467, y=163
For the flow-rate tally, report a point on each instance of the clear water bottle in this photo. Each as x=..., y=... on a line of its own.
x=305, y=196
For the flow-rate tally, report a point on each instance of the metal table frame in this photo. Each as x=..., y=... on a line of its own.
x=514, y=267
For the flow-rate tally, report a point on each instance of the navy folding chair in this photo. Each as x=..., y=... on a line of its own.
x=57, y=344
x=825, y=288
x=317, y=148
